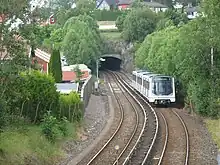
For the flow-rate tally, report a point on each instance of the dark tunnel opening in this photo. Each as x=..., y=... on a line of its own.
x=110, y=63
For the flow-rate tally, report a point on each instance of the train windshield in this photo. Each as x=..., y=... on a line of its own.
x=162, y=86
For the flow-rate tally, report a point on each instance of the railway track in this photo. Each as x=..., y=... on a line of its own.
x=141, y=152
x=133, y=148
x=174, y=150
x=165, y=146
x=108, y=149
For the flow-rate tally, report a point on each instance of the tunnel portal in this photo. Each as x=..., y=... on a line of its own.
x=111, y=63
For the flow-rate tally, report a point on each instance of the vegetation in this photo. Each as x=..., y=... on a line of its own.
x=138, y=23
x=82, y=42
x=184, y=52
x=108, y=15
x=55, y=66
x=214, y=128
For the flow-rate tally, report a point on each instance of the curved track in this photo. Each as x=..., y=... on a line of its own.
x=141, y=151
x=181, y=146
x=165, y=124
x=134, y=136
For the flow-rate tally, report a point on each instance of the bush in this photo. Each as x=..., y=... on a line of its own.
x=34, y=94
x=108, y=15
x=52, y=128
x=71, y=107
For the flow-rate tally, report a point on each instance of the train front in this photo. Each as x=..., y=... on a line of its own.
x=163, y=89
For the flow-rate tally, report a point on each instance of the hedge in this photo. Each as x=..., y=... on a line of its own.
x=107, y=15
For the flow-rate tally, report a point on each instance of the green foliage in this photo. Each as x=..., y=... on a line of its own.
x=52, y=128
x=82, y=42
x=85, y=6
x=54, y=40
x=28, y=144
x=33, y=94
x=78, y=72
x=139, y=23
x=108, y=15
x=71, y=107
x=55, y=66
x=120, y=22
x=183, y=53
x=176, y=17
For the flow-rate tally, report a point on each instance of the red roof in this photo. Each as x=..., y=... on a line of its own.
x=71, y=76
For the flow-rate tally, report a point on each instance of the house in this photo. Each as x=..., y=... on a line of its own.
x=70, y=76
x=154, y=6
x=105, y=4
x=42, y=58
x=192, y=12
x=124, y=4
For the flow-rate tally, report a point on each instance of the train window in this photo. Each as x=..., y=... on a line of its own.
x=134, y=77
x=139, y=80
x=162, y=86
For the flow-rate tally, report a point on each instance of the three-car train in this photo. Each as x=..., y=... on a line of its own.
x=157, y=88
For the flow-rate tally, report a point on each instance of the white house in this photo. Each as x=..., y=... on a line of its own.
x=156, y=7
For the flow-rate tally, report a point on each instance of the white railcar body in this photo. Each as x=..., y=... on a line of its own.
x=157, y=88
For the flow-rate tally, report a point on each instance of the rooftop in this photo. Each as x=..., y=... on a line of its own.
x=66, y=88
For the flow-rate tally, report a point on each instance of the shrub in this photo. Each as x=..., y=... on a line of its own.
x=71, y=107
x=50, y=127
x=35, y=94
x=108, y=15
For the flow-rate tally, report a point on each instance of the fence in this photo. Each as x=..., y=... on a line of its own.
x=86, y=91
x=35, y=112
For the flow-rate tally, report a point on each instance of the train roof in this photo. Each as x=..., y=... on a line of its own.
x=138, y=71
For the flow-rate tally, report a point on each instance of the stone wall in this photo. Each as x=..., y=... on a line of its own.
x=126, y=50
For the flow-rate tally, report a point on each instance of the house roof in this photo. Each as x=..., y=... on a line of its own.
x=72, y=67
x=109, y=2
x=66, y=88
x=149, y=4
x=155, y=4
x=71, y=76
x=125, y=2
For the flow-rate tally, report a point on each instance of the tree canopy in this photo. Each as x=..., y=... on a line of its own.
x=138, y=23
x=82, y=40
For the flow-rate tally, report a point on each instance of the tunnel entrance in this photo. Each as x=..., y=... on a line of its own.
x=111, y=63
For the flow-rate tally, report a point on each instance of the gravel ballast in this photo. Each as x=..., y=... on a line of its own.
x=97, y=117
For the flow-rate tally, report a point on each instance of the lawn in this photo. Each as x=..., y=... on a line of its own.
x=111, y=34
x=214, y=129
x=26, y=145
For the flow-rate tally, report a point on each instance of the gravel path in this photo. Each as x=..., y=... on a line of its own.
x=97, y=120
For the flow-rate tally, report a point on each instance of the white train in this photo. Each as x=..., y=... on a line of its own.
x=157, y=88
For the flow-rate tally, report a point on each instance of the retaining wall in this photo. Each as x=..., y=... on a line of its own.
x=86, y=91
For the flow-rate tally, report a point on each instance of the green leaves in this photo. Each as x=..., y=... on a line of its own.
x=82, y=41
x=184, y=53
x=55, y=66
x=138, y=24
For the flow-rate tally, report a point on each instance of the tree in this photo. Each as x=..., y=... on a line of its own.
x=55, y=65
x=138, y=24
x=82, y=41
x=183, y=53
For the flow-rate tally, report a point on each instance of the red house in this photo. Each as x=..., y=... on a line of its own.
x=43, y=59
x=124, y=4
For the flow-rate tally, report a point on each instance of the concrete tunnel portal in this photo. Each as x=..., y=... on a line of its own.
x=112, y=62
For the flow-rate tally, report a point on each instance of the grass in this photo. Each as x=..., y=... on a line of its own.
x=106, y=22
x=111, y=35
x=27, y=145
x=214, y=129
